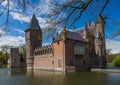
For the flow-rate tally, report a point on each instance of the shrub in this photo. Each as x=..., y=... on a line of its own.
x=110, y=58
x=116, y=61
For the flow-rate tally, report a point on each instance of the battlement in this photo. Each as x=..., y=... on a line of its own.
x=46, y=50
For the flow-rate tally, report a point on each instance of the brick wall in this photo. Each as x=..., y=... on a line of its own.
x=54, y=61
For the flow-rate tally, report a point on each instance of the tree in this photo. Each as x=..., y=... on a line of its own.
x=108, y=51
x=3, y=60
x=18, y=6
x=5, y=50
x=116, y=61
x=70, y=11
x=61, y=12
x=22, y=52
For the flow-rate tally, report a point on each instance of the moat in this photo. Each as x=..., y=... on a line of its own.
x=21, y=77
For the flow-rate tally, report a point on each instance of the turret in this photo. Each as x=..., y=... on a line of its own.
x=86, y=32
x=100, y=25
x=33, y=37
x=98, y=43
x=100, y=46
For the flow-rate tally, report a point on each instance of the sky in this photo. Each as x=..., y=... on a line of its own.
x=18, y=22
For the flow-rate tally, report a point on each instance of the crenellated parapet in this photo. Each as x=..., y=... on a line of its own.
x=44, y=51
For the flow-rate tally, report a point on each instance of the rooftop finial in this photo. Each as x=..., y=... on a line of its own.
x=100, y=18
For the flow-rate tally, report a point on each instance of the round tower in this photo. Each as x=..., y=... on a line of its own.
x=33, y=37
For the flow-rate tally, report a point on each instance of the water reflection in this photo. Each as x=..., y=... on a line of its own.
x=18, y=71
x=21, y=77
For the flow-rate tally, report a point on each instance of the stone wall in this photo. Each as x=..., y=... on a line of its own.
x=15, y=58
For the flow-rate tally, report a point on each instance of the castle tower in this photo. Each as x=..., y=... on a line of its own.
x=86, y=32
x=15, y=58
x=100, y=47
x=33, y=36
x=98, y=43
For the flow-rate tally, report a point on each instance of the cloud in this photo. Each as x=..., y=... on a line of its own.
x=2, y=32
x=44, y=44
x=20, y=17
x=114, y=45
x=11, y=5
x=25, y=18
x=20, y=31
x=12, y=40
x=40, y=9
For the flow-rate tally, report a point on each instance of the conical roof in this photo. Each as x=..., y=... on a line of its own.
x=33, y=23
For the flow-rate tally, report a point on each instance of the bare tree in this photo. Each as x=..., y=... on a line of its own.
x=6, y=6
x=108, y=51
x=22, y=51
x=70, y=11
x=61, y=13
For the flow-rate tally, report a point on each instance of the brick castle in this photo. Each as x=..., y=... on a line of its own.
x=77, y=50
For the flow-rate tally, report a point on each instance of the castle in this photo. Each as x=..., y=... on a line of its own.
x=70, y=51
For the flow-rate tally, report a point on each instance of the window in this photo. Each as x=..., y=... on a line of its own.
x=71, y=62
x=58, y=43
x=52, y=62
x=84, y=62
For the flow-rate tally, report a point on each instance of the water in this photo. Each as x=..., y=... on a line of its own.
x=21, y=77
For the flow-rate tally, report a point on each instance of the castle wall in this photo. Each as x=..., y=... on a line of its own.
x=52, y=61
x=67, y=52
x=59, y=55
x=15, y=58
x=63, y=57
x=73, y=61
